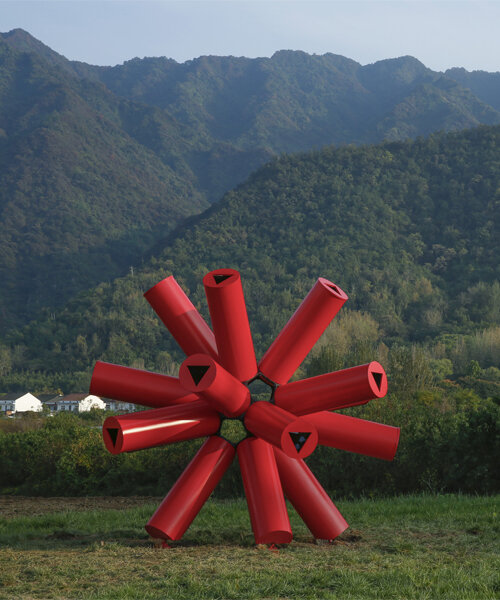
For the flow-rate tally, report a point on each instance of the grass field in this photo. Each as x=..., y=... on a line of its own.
x=406, y=547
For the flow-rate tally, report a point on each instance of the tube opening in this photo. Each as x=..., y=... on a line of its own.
x=198, y=372
x=299, y=439
x=377, y=377
x=113, y=435
x=220, y=278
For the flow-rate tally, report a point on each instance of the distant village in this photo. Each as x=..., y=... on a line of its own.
x=12, y=405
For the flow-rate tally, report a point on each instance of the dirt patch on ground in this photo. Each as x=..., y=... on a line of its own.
x=18, y=506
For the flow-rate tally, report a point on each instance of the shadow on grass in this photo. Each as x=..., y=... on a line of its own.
x=64, y=539
x=67, y=540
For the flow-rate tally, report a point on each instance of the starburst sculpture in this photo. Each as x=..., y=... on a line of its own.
x=214, y=385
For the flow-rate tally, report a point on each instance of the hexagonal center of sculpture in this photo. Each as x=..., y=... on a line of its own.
x=233, y=430
x=260, y=389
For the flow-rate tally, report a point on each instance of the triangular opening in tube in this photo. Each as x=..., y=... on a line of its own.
x=220, y=278
x=113, y=434
x=334, y=288
x=299, y=439
x=378, y=379
x=198, y=372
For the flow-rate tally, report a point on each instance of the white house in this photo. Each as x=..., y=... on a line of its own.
x=28, y=402
x=85, y=402
x=19, y=403
x=91, y=402
x=15, y=403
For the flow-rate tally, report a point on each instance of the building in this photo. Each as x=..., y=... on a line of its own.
x=79, y=403
x=119, y=406
x=91, y=402
x=19, y=403
x=11, y=404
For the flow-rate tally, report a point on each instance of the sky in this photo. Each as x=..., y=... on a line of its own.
x=440, y=33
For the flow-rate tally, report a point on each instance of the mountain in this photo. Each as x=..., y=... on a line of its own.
x=22, y=41
x=486, y=86
x=294, y=101
x=233, y=114
x=97, y=164
x=410, y=230
x=80, y=198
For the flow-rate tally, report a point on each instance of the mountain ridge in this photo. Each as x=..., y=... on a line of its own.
x=70, y=177
x=182, y=135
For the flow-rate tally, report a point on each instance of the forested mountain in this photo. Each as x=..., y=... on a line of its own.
x=98, y=163
x=80, y=198
x=486, y=86
x=410, y=230
x=295, y=101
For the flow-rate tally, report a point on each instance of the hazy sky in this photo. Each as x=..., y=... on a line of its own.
x=440, y=33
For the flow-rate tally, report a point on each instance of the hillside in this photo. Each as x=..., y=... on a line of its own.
x=484, y=85
x=409, y=230
x=80, y=198
x=97, y=164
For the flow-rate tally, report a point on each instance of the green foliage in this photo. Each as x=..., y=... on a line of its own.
x=99, y=163
x=449, y=443
x=80, y=198
x=367, y=218
x=66, y=456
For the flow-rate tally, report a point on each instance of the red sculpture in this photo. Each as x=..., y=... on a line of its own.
x=213, y=385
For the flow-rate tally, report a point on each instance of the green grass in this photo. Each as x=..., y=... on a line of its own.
x=407, y=547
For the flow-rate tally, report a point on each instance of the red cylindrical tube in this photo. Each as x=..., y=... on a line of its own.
x=137, y=386
x=266, y=503
x=230, y=325
x=356, y=435
x=160, y=426
x=309, y=498
x=181, y=318
x=295, y=436
x=176, y=513
x=302, y=331
x=201, y=374
x=339, y=389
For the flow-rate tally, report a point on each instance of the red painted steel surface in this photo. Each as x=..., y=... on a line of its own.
x=201, y=374
x=266, y=503
x=210, y=383
x=295, y=436
x=137, y=386
x=230, y=325
x=181, y=318
x=302, y=331
x=159, y=426
x=356, y=435
x=176, y=513
x=309, y=498
x=348, y=387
